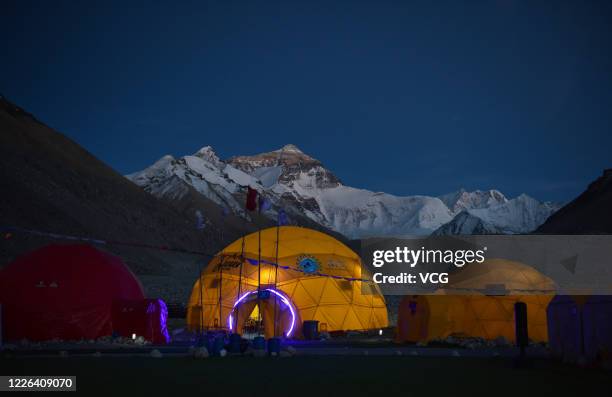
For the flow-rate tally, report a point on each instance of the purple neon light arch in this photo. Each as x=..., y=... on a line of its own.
x=283, y=298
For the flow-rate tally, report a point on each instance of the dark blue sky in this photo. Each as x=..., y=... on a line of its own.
x=407, y=97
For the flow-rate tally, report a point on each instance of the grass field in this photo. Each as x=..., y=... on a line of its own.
x=317, y=376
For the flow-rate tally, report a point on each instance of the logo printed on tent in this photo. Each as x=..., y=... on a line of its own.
x=308, y=264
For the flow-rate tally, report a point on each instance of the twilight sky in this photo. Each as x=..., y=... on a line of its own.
x=406, y=97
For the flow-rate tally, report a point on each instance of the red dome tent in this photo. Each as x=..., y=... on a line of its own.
x=65, y=292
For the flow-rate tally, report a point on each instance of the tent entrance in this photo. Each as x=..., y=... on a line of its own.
x=253, y=323
x=267, y=312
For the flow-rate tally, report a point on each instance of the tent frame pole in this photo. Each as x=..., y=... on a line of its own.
x=221, y=293
x=259, y=276
x=276, y=278
x=239, y=283
x=201, y=327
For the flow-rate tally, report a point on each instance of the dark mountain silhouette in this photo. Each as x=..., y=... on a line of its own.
x=589, y=213
x=50, y=183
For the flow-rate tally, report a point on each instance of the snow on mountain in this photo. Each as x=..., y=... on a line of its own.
x=466, y=224
x=522, y=214
x=464, y=200
x=204, y=171
x=316, y=192
x=498, y=214
x=361, y=213
x=301, y=185
x=296, y=168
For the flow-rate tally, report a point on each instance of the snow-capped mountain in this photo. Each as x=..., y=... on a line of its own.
x=464, y=200
x=301, y=185
x=312, y=189
x=204, y=171
x=518, y=215
x=465, y=224
x=490, y=212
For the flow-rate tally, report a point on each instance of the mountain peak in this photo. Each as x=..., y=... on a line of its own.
x=207, y=153
x=290, y=148
x=465, y=223
x=466, y=200
x=589, y=213
x=163, y=161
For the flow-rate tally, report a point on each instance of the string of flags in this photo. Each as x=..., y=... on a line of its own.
x=200, y=223
x=255, y=262
x=8, y=232
x=283, y=219
x=251, y=199
x=262, y=204
x=224, y=211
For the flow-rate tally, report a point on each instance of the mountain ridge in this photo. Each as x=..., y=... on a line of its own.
x=301, y=185
x=589, y=213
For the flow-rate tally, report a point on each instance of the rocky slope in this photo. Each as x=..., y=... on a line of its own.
x=589, y=213
x=303, y=187
x=466, y=224
x=490, y=212
x=50, y=183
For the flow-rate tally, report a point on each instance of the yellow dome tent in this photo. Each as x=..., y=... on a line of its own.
x=308, y=275
x=479, y=303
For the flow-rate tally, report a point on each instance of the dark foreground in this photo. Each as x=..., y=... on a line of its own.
x=316, y=376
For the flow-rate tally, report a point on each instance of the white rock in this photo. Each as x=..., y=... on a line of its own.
x=200, y=352
x=156, y=353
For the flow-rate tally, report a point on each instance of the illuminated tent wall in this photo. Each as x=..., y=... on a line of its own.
x=311, y=277
x=65, y=292
x=565, y=325
x=479, y=303
x=580, y=326
x=597, y=321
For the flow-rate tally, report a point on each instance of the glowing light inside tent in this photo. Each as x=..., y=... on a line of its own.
x=283, y=299
x=133, y=336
